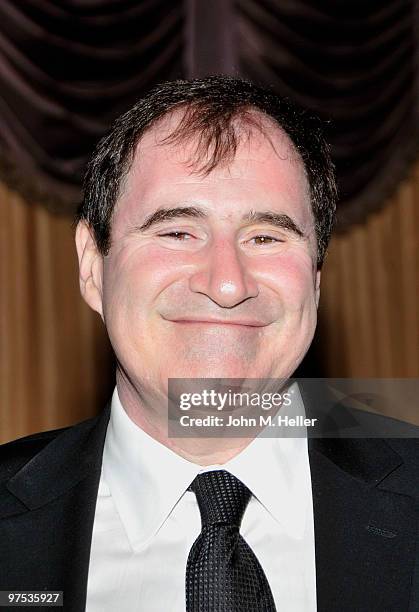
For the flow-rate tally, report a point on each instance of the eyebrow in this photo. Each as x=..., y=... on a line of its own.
x=280, y=220
x=166, y=214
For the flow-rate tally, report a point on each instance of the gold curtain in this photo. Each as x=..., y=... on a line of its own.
x=56, y=366
x=55, y=361
x=369, y=305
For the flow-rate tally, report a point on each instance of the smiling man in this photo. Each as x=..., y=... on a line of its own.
x=209, y=273
x=207, y=213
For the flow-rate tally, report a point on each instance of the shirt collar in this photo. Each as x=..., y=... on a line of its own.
x=277, y=471
x=147, y=479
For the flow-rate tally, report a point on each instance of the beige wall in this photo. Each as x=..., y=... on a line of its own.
x=55, y=362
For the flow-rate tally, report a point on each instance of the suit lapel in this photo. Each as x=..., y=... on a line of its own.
x=55, y=495
x=364, y=524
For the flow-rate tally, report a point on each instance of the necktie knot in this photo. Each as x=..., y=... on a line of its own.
x=221, y=497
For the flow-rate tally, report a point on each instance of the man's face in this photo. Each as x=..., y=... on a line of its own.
x=226, y=288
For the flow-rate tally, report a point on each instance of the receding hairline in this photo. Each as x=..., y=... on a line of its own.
x=165, y=132
x=245, y=121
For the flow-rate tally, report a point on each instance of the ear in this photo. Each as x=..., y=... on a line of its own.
x=318, y=276
x=90, y=267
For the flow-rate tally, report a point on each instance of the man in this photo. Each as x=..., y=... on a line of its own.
x=207, y=213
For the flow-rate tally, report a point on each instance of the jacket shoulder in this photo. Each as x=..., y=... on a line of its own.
x=15, y=454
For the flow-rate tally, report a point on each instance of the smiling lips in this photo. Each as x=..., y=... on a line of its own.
x=210, y=321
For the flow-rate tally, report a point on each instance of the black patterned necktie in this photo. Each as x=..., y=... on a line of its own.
x=222, y=572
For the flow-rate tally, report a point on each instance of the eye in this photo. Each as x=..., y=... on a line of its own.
x=181, y=236
x=264, y=239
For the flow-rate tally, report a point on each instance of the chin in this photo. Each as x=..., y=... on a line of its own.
x=223, y=369
x=202, y=369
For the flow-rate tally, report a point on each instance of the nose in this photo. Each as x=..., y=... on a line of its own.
x=223, y=276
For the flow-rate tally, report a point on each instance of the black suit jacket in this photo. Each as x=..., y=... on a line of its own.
x=365, y=496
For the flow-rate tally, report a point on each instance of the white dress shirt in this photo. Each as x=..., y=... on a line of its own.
x=146, y=521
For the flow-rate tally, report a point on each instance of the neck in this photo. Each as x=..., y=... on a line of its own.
x=140, y=406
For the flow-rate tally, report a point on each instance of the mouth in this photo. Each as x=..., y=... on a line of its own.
x=208, y=321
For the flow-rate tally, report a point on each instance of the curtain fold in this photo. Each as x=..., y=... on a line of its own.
x=353, y=63
x=56, y=365
x=369, y=306
x=66, y=71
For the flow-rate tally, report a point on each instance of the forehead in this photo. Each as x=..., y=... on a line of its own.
x=265, y=163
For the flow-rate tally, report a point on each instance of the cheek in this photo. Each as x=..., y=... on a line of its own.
x=133, y=281
x=292, y=278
